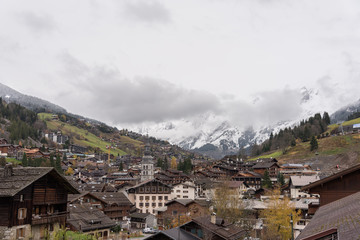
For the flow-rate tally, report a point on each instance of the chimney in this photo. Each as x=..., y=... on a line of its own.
x=8, y=170
x=213, y=218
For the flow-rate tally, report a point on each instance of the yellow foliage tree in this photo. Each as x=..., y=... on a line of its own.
x=69, y=172
x=278, y=216
x=173, y=163
x=180, y=220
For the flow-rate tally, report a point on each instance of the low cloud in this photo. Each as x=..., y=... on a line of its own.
x=268, y=107
x=38, y=23
x=109, y=96
x=147, y=11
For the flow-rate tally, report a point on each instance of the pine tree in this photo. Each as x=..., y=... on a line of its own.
x=121, y=167
x=159, y=163
x=165, y=164
x=280, y=179
x=24, y=161
x=266, y=180
x=52, y=163
x=313, y=144
x=326, y=118
x=58, y=164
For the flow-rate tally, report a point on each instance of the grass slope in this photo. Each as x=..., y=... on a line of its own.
x=81, y=136
x=346, y=123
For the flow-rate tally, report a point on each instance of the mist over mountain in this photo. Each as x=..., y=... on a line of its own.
x=33, y=103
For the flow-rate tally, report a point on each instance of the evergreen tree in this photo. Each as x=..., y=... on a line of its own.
x=280, y=179
x=121, y=167
x=266, y=183
x=313, y=144
x=326, y=118
x=24, y=161
x=58, y=164
x=30, y=162
x=52, y=163
x=64, y=157
x=159, y=163
x=2, y=161
x=165, y=164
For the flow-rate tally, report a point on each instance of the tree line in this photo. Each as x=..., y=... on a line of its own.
x=307, y=130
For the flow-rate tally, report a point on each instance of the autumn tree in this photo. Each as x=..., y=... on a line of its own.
x=173, y=163
x=278, y=215
x=227, y=203
x=69, y=172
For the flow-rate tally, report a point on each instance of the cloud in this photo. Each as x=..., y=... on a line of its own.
x=147, y=11
x=38, y=23
x=109, y=96
x=270, y=107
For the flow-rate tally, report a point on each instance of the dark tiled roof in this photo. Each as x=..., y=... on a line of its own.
x=173, y=233
x=343, y=215
x=84, y=217
x=139, y=215
x=183, y=202
x=118, y=198
x=23, y=177
x=262, y=165
x=221, y=228
x=332, y=177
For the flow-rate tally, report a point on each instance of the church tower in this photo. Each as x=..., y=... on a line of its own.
x=147, y=165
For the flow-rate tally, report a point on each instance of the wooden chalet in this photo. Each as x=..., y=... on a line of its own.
x=336, y=186
x=271, y=166
x=88, y=219
x=251, y=179
x=116, y=204
x=32, y=201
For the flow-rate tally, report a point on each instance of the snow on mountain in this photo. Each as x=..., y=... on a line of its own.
x=216, y=136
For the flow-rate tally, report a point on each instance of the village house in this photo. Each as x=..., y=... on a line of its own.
x=204, y=227
x=250, y=179
x=336, y=186
x=142, y=220
x=183, y=190
x=88, y=219
x=117, y=206
x=32, y=201
x=149, y=195
x=296, y=182
x=338, y=219
x=269, y=165
x=181, y=208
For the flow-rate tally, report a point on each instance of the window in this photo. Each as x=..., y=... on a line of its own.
x=178, y=196
x=160, y=189
x=21, y=198
x=22, y=213
x=147, y=204
x=135, y=197
x=160, y=204
x=147, y=198
x=20, y=233
x=141, y=198
x=153, y=198
x=141, y=204
x=160, y=198
x=153, y=189
x=153, y=204
x=147, y=189
x=185, y=187
x=185, y=191
x=166, y=198
x=186, y=196
x=177, y=190
x=174, y=213
x=141, y=189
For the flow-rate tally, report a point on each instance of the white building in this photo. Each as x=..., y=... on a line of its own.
x=296, y=182
x=184, y=190
x=149, y=195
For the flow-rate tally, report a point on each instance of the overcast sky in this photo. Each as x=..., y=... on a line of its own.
x=145, y=61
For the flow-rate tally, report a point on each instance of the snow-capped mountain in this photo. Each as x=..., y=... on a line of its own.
x=216, y=136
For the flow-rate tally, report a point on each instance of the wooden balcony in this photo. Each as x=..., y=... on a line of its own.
x=59, y=217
